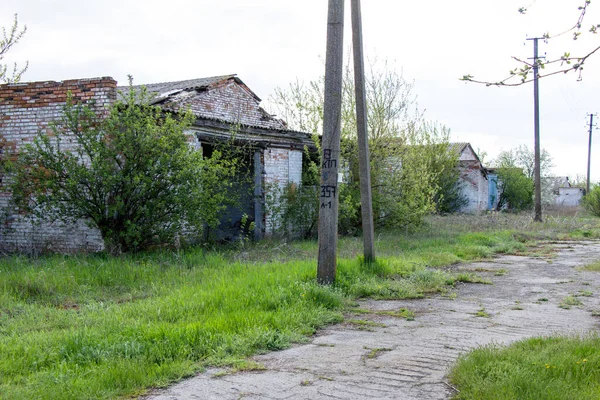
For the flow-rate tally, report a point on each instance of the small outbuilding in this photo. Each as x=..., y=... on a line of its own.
x=565, y=194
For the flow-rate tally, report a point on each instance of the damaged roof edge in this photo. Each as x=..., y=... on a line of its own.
x=164, y=89
x=177, y=92
x=217, y=123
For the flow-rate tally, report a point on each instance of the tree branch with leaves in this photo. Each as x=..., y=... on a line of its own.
x=562, y=65
x=9, y=38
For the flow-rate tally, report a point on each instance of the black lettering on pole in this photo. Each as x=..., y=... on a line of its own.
x=328, y=191
x=326, y=205
x=328, y=162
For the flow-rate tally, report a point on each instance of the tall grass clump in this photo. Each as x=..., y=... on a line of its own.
x=553, y=368
x=102, y=327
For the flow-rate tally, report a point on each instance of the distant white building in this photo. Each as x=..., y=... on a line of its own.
x=567, y=195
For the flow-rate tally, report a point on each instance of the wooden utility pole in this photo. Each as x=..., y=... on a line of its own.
x=363, y=137
x=332, y=113
x=536, y=111
x=587, y=186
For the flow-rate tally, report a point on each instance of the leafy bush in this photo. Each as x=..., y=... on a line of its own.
x=591, y=201
x=131, y=174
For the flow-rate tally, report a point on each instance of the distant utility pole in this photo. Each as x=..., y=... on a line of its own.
x=332, y=117
x=587, y=186
x=536, y=117
x=363, y=137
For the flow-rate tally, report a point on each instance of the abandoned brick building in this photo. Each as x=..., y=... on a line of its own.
x=473, y=178
x=220, y=105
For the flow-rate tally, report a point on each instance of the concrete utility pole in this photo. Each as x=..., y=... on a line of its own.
x=587, y=186
x=363, y=137
x=536, y=112
x=332, y=113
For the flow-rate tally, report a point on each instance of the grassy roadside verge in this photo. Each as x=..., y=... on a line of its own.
x=553, y=368
x=102, y=327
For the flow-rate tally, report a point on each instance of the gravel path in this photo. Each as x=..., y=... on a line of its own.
x=397, y=359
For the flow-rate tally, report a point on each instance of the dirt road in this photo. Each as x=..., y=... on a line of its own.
x=392, y=358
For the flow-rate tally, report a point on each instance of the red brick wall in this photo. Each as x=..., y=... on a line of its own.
x=26, y=109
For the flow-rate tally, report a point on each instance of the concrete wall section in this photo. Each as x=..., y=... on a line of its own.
x=569, y=197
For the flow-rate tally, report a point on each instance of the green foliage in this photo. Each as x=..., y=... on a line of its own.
x=294, y=209
x=591, y=201
x=443, y=162
x=594, y=266
x=537, y=368
x=102, y=327
x=6, y=42
x=450, y=196
x=404, y=186
x=515, y=189
x=131, y=173
x=524, y=158
x=397, y=137
x=5, y=159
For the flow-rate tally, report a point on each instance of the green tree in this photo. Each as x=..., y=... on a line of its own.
x=132, y=174
x=443, y=159
x=523, y=157
x=8, y=40
x=397, y=137
x=515, y=189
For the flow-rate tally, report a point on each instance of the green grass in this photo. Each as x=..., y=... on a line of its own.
x=594, y=266
x=374, y=353
x=400, y=313
x=96, y=326
x=540, y=368
x=482, y=313
x=569, y=301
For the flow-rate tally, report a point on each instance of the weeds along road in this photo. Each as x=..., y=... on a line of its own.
x=383, y=357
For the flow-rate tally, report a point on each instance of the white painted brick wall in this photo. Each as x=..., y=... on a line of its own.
x=295, y=167
x=474, y=187
x=282, y=166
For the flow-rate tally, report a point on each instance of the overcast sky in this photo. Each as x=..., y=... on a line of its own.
x=270, y=43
